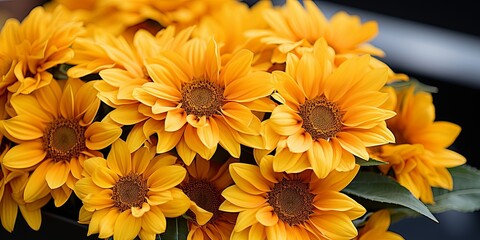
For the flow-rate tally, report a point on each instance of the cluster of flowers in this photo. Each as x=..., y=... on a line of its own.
x=248, y=121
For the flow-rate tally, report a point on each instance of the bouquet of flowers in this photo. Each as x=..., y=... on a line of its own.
x=213, y=119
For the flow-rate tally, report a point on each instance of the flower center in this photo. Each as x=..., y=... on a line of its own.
x=202, y=98
x=205, y=195
x=291, y=201
x=64, y=139
x=321, y=118
x=129, y=191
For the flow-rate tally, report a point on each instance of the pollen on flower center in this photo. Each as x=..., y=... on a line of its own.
x=64, y=139
x=202, y=98
x=205, y=195
x=321, y=118
x=129, y=191
x=291, y=201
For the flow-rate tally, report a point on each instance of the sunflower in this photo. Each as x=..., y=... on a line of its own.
x=295, y=27
x=130, y=194
x=204, y=184
x=326, y=117
x=278, y=205
x=32, y=49
x=420, y=157
x=12, y=185
x=377, y=227
x=55, y=132
x=194, y=105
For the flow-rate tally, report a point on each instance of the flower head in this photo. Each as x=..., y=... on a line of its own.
x=54, y=133
x=420, y=156
x=30, y=50
x=326, y=117
x=204, y=184
x=130, y=194
x=194, y=104
x=277, y=205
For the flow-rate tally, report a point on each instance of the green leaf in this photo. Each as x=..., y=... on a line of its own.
x=385, y=190
x=370, y=162
x=465, y=195
x=177, y=229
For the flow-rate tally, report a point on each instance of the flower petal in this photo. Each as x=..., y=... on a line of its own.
x=159, y=181
x=127, y=226
x=242, y=199
x=99, y=135
x=24, y=155
x=119, y=158
x=37, y=187
x=57, y=174
x=22, y=127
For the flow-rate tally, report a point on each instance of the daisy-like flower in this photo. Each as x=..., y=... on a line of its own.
x=194, y=104
x=204, y=184
x=420, y=157
x=277, y=205
x=377, y=226
x=12, y=185
x=297, y=25
x=55, y=132
x=326, y=117
x=32, y=48
x=130, y=194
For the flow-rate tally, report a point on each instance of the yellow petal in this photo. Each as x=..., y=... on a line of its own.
x=22, y=127
x=212, y=62
x=249, y=88
x=175, y=119
x=136, y=137
x=335, y=226
x=242, y=199
x=140, y=211
x=57, y=174
x=284, y=160
x=159, y=181
x=352, y=144
x=333, y=201
x=24, y=155
x=266, y=216
x=201, y=215
x=37, y=187
x=86, y=103
x=168, y=140
x=209, y=134
x=176, y=207
x=238, y=66
x=49, y=97
x=127, y=115
x=299, y=142
x=320, y=160
x=119, y=158
x=127, y=226
x=248, y=178
x=226, y=138
x=157, y=198
x=8, y=212
x=67, y=102
x=257, y=231
x=107, y=222
x=105, y=177
x=101, y=134
x=185, y=153
x=285, y=121
x=277, y=231
x=28, y=105
x=154, y=221
x=245, y=219
x=85, y=186
x=32, y=217
x=61, y=195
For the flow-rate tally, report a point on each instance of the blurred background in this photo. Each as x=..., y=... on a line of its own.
x=438, y=44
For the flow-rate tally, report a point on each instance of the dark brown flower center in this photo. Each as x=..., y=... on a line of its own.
x=205, y=195
x=130, y=191
x=202, y=98
x=292, y=201
x=64, y=139
x=321, y=118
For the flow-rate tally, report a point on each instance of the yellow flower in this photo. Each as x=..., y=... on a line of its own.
x=327, y=116
x=12, y=185
x=204, y=184
x=129, y=195
x=31, y=48
x=275, y=205
x=195, y=105
x=295, y=27
x=377, y=227
x=55, y=132
x=420, y=156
